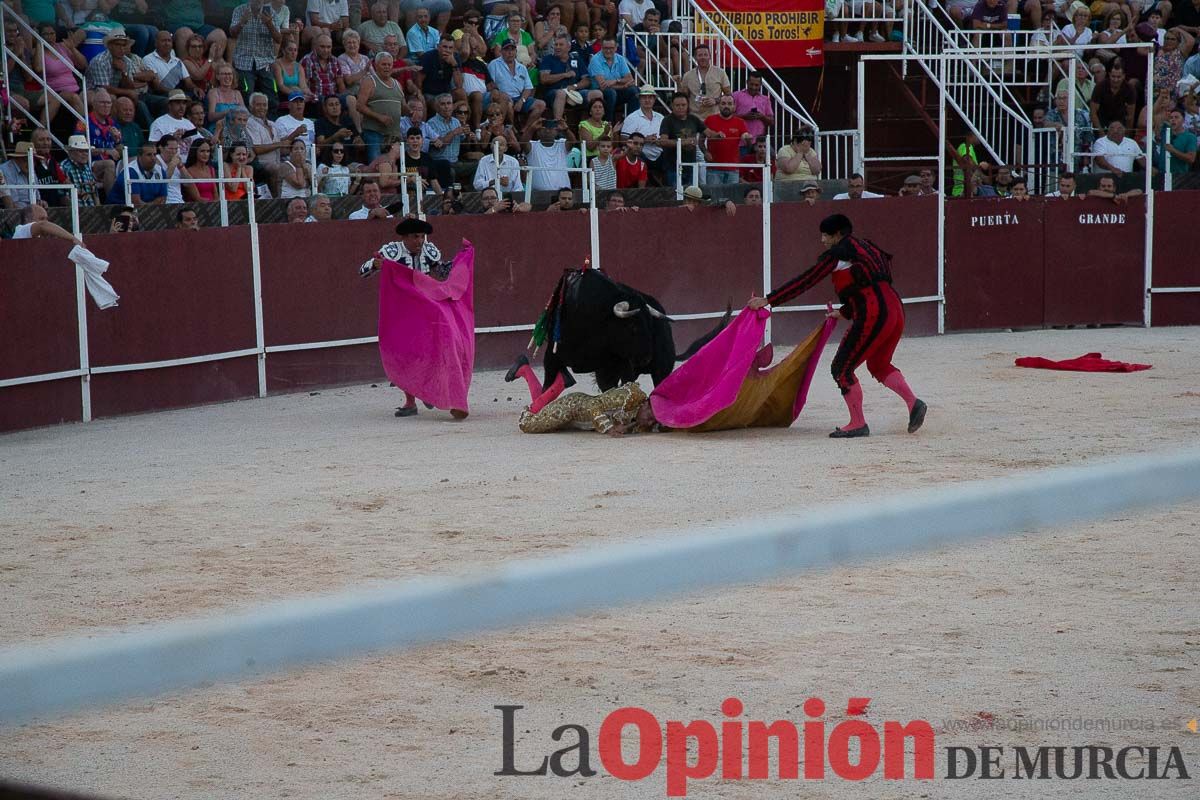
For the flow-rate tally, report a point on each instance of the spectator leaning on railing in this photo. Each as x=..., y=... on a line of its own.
x=1175, y=140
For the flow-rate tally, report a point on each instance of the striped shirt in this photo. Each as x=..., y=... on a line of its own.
x=322, y=76
x=84, y=180
x=865, y=262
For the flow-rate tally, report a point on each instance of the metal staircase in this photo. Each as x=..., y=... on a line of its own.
x=668, y=55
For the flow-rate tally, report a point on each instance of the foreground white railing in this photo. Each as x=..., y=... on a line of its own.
x=85, y=670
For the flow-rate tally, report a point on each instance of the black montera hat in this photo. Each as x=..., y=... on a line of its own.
x=837, y=223
x=411, y=225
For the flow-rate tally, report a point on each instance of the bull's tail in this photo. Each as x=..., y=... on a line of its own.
x=708, y=337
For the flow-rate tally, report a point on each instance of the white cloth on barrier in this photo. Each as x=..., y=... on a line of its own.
x=93, y=270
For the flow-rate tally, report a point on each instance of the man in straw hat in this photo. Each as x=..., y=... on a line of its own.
x=78, y=169
x=862, y=278
x=426, y=319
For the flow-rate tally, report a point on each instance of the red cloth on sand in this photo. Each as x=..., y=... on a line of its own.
x=1088, y=362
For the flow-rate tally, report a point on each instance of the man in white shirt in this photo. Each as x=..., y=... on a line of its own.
x=285, y=125
x=325, y=16
x=509, y=170
x=170, y=162
x=166, y=65
x=372, y=197
x=548, y=152
x=1116, y=154
x=35, y=225
x=648, y=123
x=634, y=11
x=173, y=122
x=856, y=190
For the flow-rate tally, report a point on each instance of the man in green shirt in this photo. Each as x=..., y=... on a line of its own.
x=1178, y=141
x=131, y=133
x=966, y=157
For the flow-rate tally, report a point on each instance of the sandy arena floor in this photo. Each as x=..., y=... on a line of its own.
x=127, y=521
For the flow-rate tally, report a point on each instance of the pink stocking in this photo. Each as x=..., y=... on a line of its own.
x=535, y=386
x=854, y=402
x=897, y=384
x=550, y=394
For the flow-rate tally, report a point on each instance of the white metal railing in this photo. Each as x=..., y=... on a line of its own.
x=870, y=15
x=7, y=54
x=728, y=48
x=988, y=109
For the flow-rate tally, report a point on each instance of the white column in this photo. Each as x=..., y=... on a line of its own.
x=593, y=220
x=221, y=187
x=81, y=315
x=941, y=200
x=256, y=268
x=1148, y=261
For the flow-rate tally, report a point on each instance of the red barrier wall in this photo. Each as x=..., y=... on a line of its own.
x=995, y=268
x=1175, y=260
x=1095, y=261
x=1043, y=262
x=182, y=295
x=904, y=227
x=39, y=333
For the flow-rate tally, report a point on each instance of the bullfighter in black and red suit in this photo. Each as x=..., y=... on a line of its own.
x=862, y=278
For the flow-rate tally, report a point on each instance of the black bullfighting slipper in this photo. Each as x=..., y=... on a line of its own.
x=406, y=411
x=916, y=417
x=852, y=433
x=511, y=375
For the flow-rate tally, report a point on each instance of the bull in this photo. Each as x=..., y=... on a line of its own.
x=595, y=324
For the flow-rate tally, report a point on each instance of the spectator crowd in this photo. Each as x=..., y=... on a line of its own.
x=310, y=99
x=332, y=97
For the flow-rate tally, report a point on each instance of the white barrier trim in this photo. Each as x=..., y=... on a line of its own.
x=291, y=348
x=44, y=377
x=44, y=678
x=176, y=362
x=1174, y=289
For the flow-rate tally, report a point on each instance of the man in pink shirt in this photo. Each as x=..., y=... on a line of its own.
x=754, y=107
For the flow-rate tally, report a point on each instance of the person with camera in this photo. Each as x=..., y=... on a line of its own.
x=124, y=220
x=796, y=160
x=492, y=204
x=253, y=26
x=549, y=153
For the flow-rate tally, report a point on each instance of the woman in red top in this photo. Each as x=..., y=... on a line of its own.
x=862, y=278
x=237, y=166
x=199, y=165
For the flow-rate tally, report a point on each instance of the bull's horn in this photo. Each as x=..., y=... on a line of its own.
x=622, y=310
x=654, y=312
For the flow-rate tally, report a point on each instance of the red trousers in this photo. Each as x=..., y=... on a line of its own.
x=876, y=325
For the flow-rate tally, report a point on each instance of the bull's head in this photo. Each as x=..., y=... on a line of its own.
x=623, y=311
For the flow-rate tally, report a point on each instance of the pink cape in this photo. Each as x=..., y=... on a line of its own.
x=710, y=381
x=427, y=330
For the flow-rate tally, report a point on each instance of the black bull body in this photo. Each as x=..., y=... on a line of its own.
x=611, y=330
